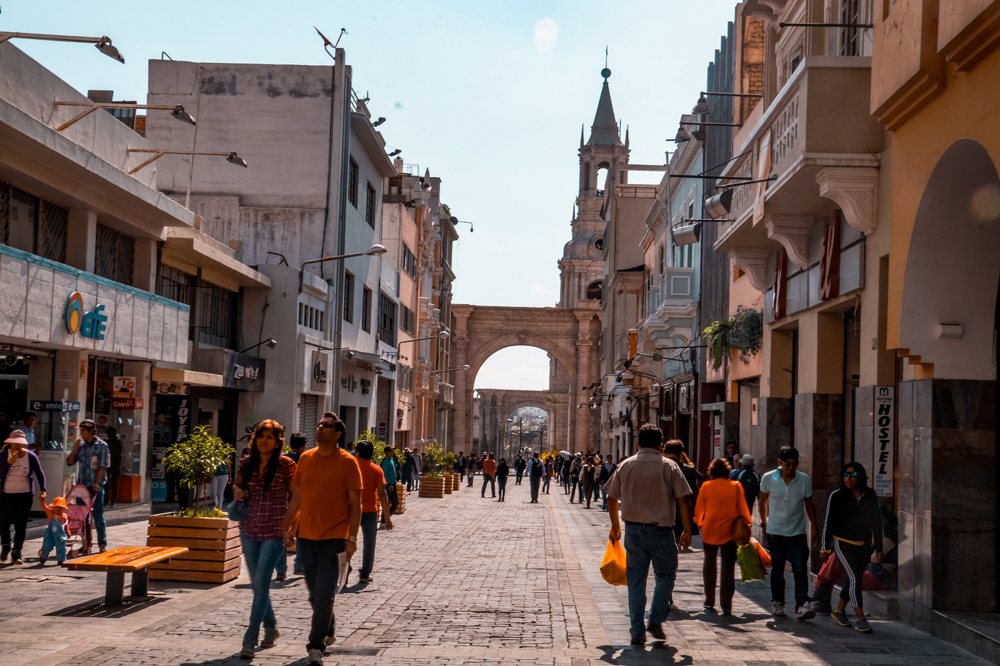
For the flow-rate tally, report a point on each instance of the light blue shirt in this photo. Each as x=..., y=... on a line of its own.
x=786, y=515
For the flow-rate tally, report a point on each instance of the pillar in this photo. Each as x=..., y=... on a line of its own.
x=81, y=239
x=141, y=370
x=144, y=271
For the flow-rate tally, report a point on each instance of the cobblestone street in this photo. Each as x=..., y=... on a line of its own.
x=461, y=580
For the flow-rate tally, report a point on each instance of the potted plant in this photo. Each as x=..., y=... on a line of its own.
x=742, y=333
x=212, y=540
x=432, y=483
x=449, y=462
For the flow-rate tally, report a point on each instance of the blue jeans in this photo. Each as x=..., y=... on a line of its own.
x=493, y=485
x=369, y=529
x=55, y=537
x=793, y=549
x=97, y=509
x=321, y=565
x=390, y=490
x=262, y=556
x=645, y=545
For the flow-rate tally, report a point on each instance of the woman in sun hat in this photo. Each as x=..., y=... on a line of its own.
x=17, y=489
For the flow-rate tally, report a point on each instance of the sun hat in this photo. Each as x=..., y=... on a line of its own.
x=748, y=459
x=59, y=501
x=16, y=437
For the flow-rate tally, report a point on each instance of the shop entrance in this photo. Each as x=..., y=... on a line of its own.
x=13, y=393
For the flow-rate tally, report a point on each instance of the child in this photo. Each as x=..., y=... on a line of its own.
x=55, y=531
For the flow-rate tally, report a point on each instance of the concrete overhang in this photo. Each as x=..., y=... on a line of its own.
x=373, y=144
x=187, y=248
x=181, y=376
x=36, y=157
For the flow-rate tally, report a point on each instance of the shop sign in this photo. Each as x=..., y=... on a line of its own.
x=127, y=403
x=319, y=371
x=123, y=387
x=885, y=440
x=92, y=324
x=243, y=372
x=54, y=406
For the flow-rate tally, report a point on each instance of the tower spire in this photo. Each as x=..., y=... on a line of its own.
x=604, y=131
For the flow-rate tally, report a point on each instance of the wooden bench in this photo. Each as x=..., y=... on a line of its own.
x=118, y=562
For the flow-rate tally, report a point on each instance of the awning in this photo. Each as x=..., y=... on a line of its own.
x=189, y=249
x=180, y=376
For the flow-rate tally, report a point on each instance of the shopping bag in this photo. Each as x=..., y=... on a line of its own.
x=342, y=573
x=613, y=564
x=765, y=557
x=750, y=567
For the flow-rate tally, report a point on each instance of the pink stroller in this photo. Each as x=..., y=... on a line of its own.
x=78, y=508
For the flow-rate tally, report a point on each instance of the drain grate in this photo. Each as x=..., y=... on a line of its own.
x=355, y=651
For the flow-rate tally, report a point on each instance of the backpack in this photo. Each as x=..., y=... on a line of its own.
x=751, y=484
x=537, y=469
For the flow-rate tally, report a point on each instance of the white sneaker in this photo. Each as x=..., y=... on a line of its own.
x=805, y=612
x=316, y=656
x=777, y=608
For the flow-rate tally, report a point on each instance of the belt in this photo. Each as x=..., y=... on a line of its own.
x=628, y=522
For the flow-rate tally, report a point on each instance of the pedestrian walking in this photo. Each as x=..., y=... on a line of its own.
x=391, y=477
x=297, y=444
x=373, y=494
x=785, y=501
x=853, y=532
x=326, y=504
x=674, y=449
x=598, y=463
x=574, y=476
x=607, y=469
x=471, y=470
x=460, y=466
x=749, y=479
x=588, y=479
x=92, y=457
x=536, y=470
x=19, y=467
x=647, y=485
x=489, y=474
x=503, y=471
x=720, y=508
x=519, y=467
x=264, y=485
x=547, y=476
x=732, y=451
x=55, y=530
x=219, y=483
x=114, y=467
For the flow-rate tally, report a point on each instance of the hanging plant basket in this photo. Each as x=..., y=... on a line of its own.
x=741, y=333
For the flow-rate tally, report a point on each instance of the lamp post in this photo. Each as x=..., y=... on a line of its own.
x=177, y=111
x=103, y=44
x=231, y=157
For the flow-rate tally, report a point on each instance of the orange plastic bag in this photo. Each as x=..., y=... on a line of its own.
x=765, y=557
x=613, y=564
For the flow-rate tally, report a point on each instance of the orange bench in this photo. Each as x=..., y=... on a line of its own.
x=118, y=562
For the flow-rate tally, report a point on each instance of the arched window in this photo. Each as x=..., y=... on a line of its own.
x=585, y=177
x=594, y=291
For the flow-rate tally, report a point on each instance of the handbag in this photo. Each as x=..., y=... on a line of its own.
x=741, y=531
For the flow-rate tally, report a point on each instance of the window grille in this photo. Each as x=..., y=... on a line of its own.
x=4, y=211
x=175, y=285
x=850, y=37
x=215, y=315
x=352, y=183
x=366, y=310
x=348, y=298
x=409, y=262
x=52, y=232
x=370, y=207
x=115, y=255
x=387, y=320
x=405, y=378
x=407, y=322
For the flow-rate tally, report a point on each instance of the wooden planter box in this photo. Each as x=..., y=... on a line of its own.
x=401, y=495
x=447, y=483
x=431, y=487
x=456, y=481
x=213, y=544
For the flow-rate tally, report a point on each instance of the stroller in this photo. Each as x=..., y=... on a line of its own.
x=78, y=508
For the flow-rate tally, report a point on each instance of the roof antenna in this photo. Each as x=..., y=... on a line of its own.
x=605, y=72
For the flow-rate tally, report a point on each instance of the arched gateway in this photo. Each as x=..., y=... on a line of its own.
x=569, y=336
x=494, y=406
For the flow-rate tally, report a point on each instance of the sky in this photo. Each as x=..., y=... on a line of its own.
x=490, y=96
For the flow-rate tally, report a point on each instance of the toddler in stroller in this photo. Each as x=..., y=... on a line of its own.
x=55, y=531
x=78, y=512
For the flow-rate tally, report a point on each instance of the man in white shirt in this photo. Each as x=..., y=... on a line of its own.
x=27, y=426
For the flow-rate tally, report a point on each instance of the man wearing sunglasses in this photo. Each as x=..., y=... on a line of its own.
x=92, y=458
x=785, y=501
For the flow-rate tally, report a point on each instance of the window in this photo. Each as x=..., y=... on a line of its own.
x=409, y=262
x=32, y=224
x=348, y=297
x=691, y=211
x=386, y=320
x=850, y=38
x=370, y=207
x=352, y=183
x=407, y=321
x=175, y=285
x=311, y=317
x=594, y=292
x=114, y=255
x=215, y=315
x=366, y=310
x=405, y=378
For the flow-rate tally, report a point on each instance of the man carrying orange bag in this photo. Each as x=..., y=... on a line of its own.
x=613, y=564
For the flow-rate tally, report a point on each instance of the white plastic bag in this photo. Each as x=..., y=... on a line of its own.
x=342, y=578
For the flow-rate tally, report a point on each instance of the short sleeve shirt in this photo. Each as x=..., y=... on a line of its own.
x=786, y=514
x=90, y=458
x=647, y=485
x=371, y=476
x=389, y=470
x=268, y=505
x=324, y=484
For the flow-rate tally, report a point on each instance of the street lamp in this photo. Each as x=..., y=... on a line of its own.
x=103, y=44
x=464, y=367
x=177, y=111
x=272, y=343
x=231, y=157
x=374, y=251
x=440, y=336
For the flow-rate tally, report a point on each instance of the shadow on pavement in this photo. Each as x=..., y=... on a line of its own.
x=656, y=652
x=95, y=608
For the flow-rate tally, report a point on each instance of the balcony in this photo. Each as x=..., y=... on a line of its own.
x=819, y=140
x=671, y=307
x=447, y=393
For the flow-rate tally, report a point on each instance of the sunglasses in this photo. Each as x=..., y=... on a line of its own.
x=327, y=424
x=852, y=475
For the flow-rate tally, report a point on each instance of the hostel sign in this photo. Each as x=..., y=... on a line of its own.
x=91, y=325
x=885, y=440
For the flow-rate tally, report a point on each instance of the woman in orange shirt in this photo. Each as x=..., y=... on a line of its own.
x=720, y=504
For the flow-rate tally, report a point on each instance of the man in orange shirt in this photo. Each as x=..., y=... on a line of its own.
x=372, y=494
x=489, y=474
x=326, y=504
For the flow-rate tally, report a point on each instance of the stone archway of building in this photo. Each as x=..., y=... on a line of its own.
x=498, y=405
x=568, y=335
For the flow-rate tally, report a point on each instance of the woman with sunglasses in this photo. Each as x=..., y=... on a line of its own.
x=853, y=531
x=263, y=485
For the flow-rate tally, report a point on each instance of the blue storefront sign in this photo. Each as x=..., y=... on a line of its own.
x=53, y=406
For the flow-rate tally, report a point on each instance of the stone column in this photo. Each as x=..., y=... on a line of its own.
x=463, y=392
x=581, y=417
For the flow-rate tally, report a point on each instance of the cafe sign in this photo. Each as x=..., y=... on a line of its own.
x=242, y=371
x=91, y=324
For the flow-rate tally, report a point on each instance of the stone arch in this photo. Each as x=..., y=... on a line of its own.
x=948, y=313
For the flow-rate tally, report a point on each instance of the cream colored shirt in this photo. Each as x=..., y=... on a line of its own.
x=647, y=485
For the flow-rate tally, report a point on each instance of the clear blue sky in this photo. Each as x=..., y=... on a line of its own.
x=489, y=95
